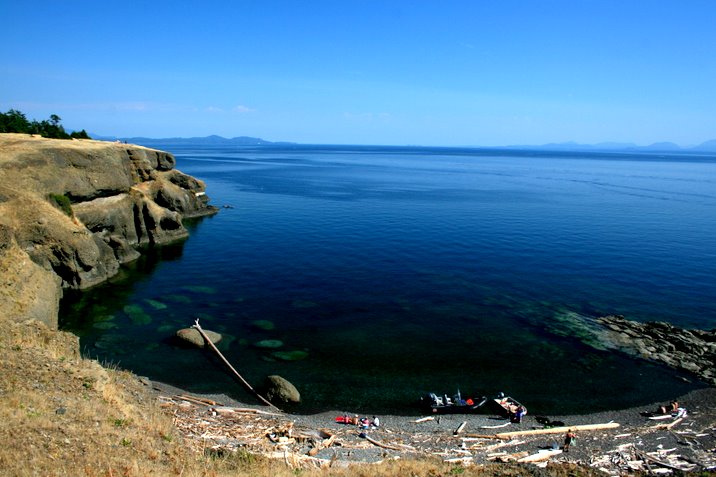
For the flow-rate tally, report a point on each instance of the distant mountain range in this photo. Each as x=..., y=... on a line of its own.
x=202, y=141
x=708, y=146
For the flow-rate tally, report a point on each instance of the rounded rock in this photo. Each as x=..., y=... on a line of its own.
x=278, y=389
x=193, y=337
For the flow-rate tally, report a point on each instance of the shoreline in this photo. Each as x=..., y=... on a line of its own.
x=692, y=439
x=706, y=394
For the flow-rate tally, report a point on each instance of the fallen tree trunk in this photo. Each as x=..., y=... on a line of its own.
x=558, y=430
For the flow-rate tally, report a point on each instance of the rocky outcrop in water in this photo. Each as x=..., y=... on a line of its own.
x=71, y=212
x=688, y=350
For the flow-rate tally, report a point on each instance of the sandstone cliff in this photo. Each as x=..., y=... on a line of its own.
x=117, y=197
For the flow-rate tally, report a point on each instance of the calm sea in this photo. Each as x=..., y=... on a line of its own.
x=382, y=273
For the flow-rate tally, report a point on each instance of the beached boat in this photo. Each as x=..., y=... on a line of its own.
x=444, y=404
x=501, y=405
x=507, y=407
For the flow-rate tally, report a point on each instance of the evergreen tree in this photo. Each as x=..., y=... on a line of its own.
x=16, y=122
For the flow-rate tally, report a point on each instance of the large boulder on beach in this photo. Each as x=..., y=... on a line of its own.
x=193, y=337
x=280, y=390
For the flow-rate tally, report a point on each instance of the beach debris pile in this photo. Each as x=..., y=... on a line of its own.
x=670, y=445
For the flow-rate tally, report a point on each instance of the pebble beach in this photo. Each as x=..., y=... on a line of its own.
x=630, y=441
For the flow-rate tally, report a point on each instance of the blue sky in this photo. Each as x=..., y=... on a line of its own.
x=368, y=72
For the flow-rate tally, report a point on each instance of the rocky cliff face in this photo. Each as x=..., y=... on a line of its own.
x=117, y=197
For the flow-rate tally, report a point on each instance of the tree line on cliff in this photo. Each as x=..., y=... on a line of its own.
x=16, y=122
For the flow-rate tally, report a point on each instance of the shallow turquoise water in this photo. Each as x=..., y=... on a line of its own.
x=397, y=271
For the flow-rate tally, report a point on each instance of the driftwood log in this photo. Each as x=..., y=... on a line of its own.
x=246, y=384
x=558, y=430
x=460, y=428
x=380, y=444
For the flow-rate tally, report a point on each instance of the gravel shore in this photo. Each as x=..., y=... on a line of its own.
x=638, y=443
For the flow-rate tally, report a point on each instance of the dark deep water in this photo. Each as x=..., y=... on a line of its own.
x=396, y=271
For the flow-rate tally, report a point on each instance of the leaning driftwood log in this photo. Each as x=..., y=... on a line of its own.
x=558, y=430
x=246, y=384
x=459, y=428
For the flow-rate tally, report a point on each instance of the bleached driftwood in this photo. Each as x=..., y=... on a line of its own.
x=540, y=456
x=241, y=410
x=495, y=427
x=196, y=400
x=488, y=436
x=460, y=428
x=558, y=430
x=402, y=447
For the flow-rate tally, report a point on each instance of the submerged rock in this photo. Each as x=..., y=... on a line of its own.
x=269, y=344
x=265, y=325
x=192, y=336
x=280, y=390
x=295, y=355
x=157, y=305
x=137, y=314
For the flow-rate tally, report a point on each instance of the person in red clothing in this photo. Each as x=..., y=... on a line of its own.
x=568, y=440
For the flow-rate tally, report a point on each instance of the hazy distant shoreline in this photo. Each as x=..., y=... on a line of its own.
x=707, y=146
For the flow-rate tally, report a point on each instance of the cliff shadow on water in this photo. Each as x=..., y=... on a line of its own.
x=93, y=311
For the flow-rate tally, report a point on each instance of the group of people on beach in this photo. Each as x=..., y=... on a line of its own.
x=671, y=408
x=362, y=422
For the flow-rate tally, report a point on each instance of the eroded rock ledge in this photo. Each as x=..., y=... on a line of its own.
x=689, y=350
x=121, y=197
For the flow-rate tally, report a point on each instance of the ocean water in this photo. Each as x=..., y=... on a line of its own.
x=385, y=273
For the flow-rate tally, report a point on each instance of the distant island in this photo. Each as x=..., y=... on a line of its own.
x=212, y=140
x=708, y=146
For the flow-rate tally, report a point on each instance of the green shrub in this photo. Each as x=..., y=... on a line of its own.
x=63, y=203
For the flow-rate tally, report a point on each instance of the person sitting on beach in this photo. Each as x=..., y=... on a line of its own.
x=674, y=406
x=376, y=422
